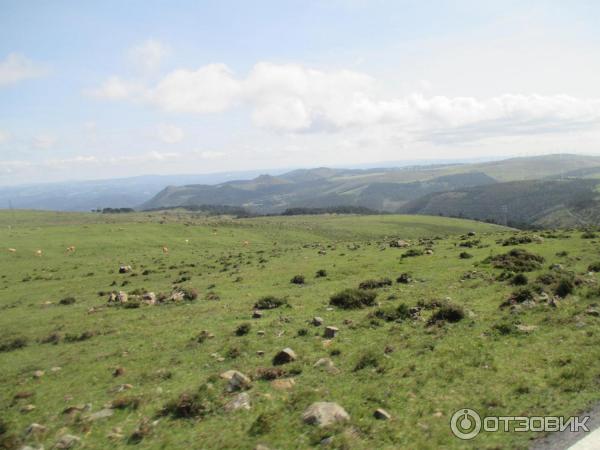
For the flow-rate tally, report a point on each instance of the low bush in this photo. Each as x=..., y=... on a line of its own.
x=374, y=284
x=269, y=302
x=353, y=298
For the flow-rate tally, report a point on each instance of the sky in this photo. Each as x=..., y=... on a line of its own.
x=92, y=90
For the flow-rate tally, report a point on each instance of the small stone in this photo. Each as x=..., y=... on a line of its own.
x=382, y=414
x=317, y=321
x=67, y=441
x=35, y=429
x=330, y=332
x=592, y=312
x=122, y=297
x=55, y=369
x=238, y=382
x=38, y=374
x=240, y=401
x=124, y=269
x=283, y=384
x=327, y=364
x=27, y=408
x=257, y=314
x=149, y=298
x=323, y=414
x=102, y=414
x=260, y=333
x=260, y=353
x=285, y=356
x=526, y=328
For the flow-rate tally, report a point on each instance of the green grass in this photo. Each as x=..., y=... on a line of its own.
x=418, y=371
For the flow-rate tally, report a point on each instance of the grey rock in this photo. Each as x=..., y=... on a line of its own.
x=323, y=414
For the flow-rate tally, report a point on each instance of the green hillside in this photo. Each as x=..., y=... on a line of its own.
x=389, y=190
x=445, y=327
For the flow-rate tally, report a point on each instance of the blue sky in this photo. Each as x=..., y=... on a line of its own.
x=106, y=89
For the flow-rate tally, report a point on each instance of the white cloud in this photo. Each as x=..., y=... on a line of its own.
x=149, y=55
x=115, y=88
x=294, y=99
x=17, y=67
x=170, y=134
x=209, y=89
x=208, y=154
x=4, y=137
x=43, y=141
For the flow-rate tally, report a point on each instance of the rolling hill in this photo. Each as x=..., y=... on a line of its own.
x=410, y=189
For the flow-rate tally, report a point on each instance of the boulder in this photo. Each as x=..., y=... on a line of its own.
x=382, y=414
x=323, y=414
x=102, y=414
x=238, y=382
x=36, y=430
x=124, y=269
x=257, y=314
x=240, y=401
x=330, y=332
x=67, y=441
x=121, y=297
x=317, y=321
x=285, y=356
x=149, y=298
x=283, y=384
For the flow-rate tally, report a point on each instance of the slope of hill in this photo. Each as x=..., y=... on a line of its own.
x=570, y=202
x=388, y=189
x=443, y=329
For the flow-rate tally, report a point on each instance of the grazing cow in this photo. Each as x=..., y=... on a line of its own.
x=71, y=249
x=38, y=253
x=165, y=249
x=246, y=243
x=12, y=250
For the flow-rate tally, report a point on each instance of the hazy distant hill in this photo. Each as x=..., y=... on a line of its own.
x=568, y=202
x=384, y=189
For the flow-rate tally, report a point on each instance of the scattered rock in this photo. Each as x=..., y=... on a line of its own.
x=257, y=314
x=285, y=356
x=102, y=414
x=592, y=312
x=330, y=332
x=36, y=430
x=260, y=332
x=149, y=298
x=382, y=414
x=283, y=384
x=326, y=364
x=238, y=381
x=526, y=328
x=27, y=408
x=67, y=441
x=260, y=353
x=323, y=414
x=317, y=321
x=38, y=374
x=124, y=269
x=240, y=401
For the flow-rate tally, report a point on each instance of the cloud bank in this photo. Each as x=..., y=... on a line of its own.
x=292, y=98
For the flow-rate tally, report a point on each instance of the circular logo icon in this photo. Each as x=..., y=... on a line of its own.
x=465, y=424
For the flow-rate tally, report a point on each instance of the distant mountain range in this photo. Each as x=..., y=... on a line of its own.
x=533, y=191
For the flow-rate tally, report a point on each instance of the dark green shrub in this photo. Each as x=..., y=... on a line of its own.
x=448, y=312
x=369, y=359
x=404, y=278
x=374, y=284
x=594, y=267
x=394, y=314
x=269, y=302
x=353, y=298
x=517, y=260
x=297, y=279
x=565, y=287
x=519, y=279
x=321, y=273
x=14, y=344
x=67, y=301
x=189, y=294
x=465, y=255
x=194, y=405
x=243, y=329
x=412, y=253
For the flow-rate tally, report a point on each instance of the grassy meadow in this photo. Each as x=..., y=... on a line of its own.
x=450, y=346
